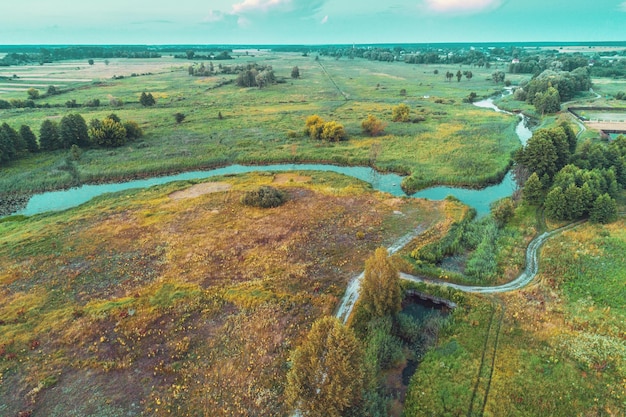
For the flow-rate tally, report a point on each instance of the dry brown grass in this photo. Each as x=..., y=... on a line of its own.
x=179, y=306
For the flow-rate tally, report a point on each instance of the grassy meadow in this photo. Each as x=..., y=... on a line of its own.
x=554, y=348
x=455, y=143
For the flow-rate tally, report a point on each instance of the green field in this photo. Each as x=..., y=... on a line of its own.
x=455, y=143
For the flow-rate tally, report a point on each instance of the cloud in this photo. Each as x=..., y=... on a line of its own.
x=214, y=16
x=246, y=13
x=462, y=6
x=255, y=6
x=324, y=20
x=244, y=22
x=623, y=7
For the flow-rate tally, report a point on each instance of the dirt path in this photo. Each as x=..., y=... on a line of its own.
x=529, y=273
x=352, y=291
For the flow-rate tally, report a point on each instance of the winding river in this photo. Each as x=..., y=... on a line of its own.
x=390, y=183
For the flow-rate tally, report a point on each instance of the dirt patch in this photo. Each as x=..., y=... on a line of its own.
x=394, y=202
x=201, y=189
x=607, y=125
x=286, y=178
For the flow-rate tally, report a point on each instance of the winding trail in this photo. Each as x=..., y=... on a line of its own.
x=352, y=291
x=525, y=278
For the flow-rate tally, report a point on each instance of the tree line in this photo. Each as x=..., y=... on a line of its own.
x=571, y=183
x=71, y=131
x=549, y=89
x=49, y=54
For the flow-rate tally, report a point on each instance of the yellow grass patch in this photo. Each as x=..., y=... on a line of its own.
x=288, y=177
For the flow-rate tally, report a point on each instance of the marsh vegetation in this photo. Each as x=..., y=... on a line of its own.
x=206, y=297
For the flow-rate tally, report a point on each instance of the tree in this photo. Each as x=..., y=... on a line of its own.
x=52, y=90
x=572, y=140
x=548, y=101
x=314, y=126
x=468, y=75
x=108, y=133
x=380, y=290
x=459, y=75
x=295, y=72
x=555, y=204
x=373, y=126
x=333, y=132
x=574, y=202
x=498, y=77
x=33, y=94
x=539, y=156
x=147, y=100
x=49, y=135
x=326, y=375
x=133, y=130
x=179, y=117
x=533, y=189
x=29, y=138
x=401, y=113
x=503, y=211
x=604, y=210
x=449, y=76
x=73, y=131
x=11, y=144
x=90, y=62
x=114, y=117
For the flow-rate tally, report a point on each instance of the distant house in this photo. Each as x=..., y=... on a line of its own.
x=515, y=61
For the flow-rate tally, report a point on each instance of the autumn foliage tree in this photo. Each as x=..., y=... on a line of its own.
x=327, y=373
x=108, y=132
x=373, y=126
x=401, y=113
x=317, y=128
x=381, y=294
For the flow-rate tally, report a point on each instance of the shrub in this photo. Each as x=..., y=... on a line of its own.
x=502, y=211
x=604, y=209
x=116, y=102
x=33, y=94
x=92, y=103
x=333, y=132
x=401, y=113
x=147, y=99
x=372, y=126
x=109, y=133
x=133, y=130
x=179, y=117
x=314, y=126
x=264, y=197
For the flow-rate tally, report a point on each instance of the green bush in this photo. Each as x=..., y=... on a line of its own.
x=264, y=197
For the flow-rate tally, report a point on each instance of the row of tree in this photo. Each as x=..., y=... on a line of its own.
x=72, y=130
x=459, y=75
x=49, y=55
x=572, y=185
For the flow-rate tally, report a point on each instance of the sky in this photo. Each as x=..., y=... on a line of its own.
x=309, y=22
